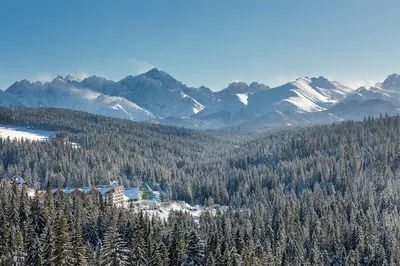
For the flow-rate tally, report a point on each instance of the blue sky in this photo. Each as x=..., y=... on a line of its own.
x=208, y=42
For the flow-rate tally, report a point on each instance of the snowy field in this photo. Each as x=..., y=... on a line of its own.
x=17, y=132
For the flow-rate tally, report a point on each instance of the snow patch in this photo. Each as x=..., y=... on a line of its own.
x=16, y=132
x=243, y=97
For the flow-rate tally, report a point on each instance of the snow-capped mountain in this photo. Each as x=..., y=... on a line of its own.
x=383, y=98
x=157, y=97
x=60, y=93
x=159, y=93
x=391, y=83
x=7, y=99
x=226, y=109
x=241, y=88
x=100, y=84
x=302, y=95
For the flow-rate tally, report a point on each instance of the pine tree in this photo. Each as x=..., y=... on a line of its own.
x=23, y=206
x=177, y=246
x=48, y=245
x=62, y=250
x=113, y=251
x=210, y=260
x=48, y=203
x=156, y=258
x=37, y=215
x=78, y=248
x=4, y=234
x=33, y=249
x=138, y=250
x=194, y=250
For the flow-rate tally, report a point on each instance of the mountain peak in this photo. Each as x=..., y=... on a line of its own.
x=155, y=73
x=237, y=84
x=19, y=87
x=322, y=82
x=154, y=70
x=392, y=82
x=93, y=77
x=161, y=76
x=71, y=78
x=204, y=88
x=256, y=87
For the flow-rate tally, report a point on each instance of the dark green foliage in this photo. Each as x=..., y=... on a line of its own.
x=322, y=195
x=113, y=251
x=194, y=250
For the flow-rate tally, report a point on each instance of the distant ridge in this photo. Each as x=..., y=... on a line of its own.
x=157, y=97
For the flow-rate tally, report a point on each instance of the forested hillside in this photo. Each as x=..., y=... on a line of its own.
x=322, y=195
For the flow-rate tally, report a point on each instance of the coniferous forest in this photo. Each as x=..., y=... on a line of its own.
x=320, y=195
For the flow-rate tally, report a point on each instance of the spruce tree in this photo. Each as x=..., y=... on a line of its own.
x=33, y=249
x=78, y=248
x=113, y=251
x=194, y=250
x=62, y=250
x=138, y=250
x=177, y=246
x=48, y=244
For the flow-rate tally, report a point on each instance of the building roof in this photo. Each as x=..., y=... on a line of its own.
x=145, y=187
x=101, y=189
x=132, y=193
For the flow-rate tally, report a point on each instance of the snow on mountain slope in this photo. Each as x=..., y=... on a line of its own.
x=300, y=95
x=203, y=94
x=100, y=84
x=271, y=119
x=232, y=99
x=241, y=88
x=333, y=90
x=159, y=93
x=60, y=94
x=230, y=103
x=391, y=83
x=19, y=88
x=7, y=99
x=242, y=97
x=379, y=99
x=371, y=107
x=158, y=97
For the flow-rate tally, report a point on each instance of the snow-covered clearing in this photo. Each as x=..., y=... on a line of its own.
x=17, y=132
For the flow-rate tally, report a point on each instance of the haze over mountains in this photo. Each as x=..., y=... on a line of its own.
x=157, y=97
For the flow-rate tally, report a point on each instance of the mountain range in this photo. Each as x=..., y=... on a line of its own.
x=157, y=97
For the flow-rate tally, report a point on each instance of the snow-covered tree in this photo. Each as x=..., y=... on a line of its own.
x=62, y=250
x=113, y=251
x=194, y=250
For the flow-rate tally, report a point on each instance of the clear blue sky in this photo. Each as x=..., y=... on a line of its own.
x=210, y=42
